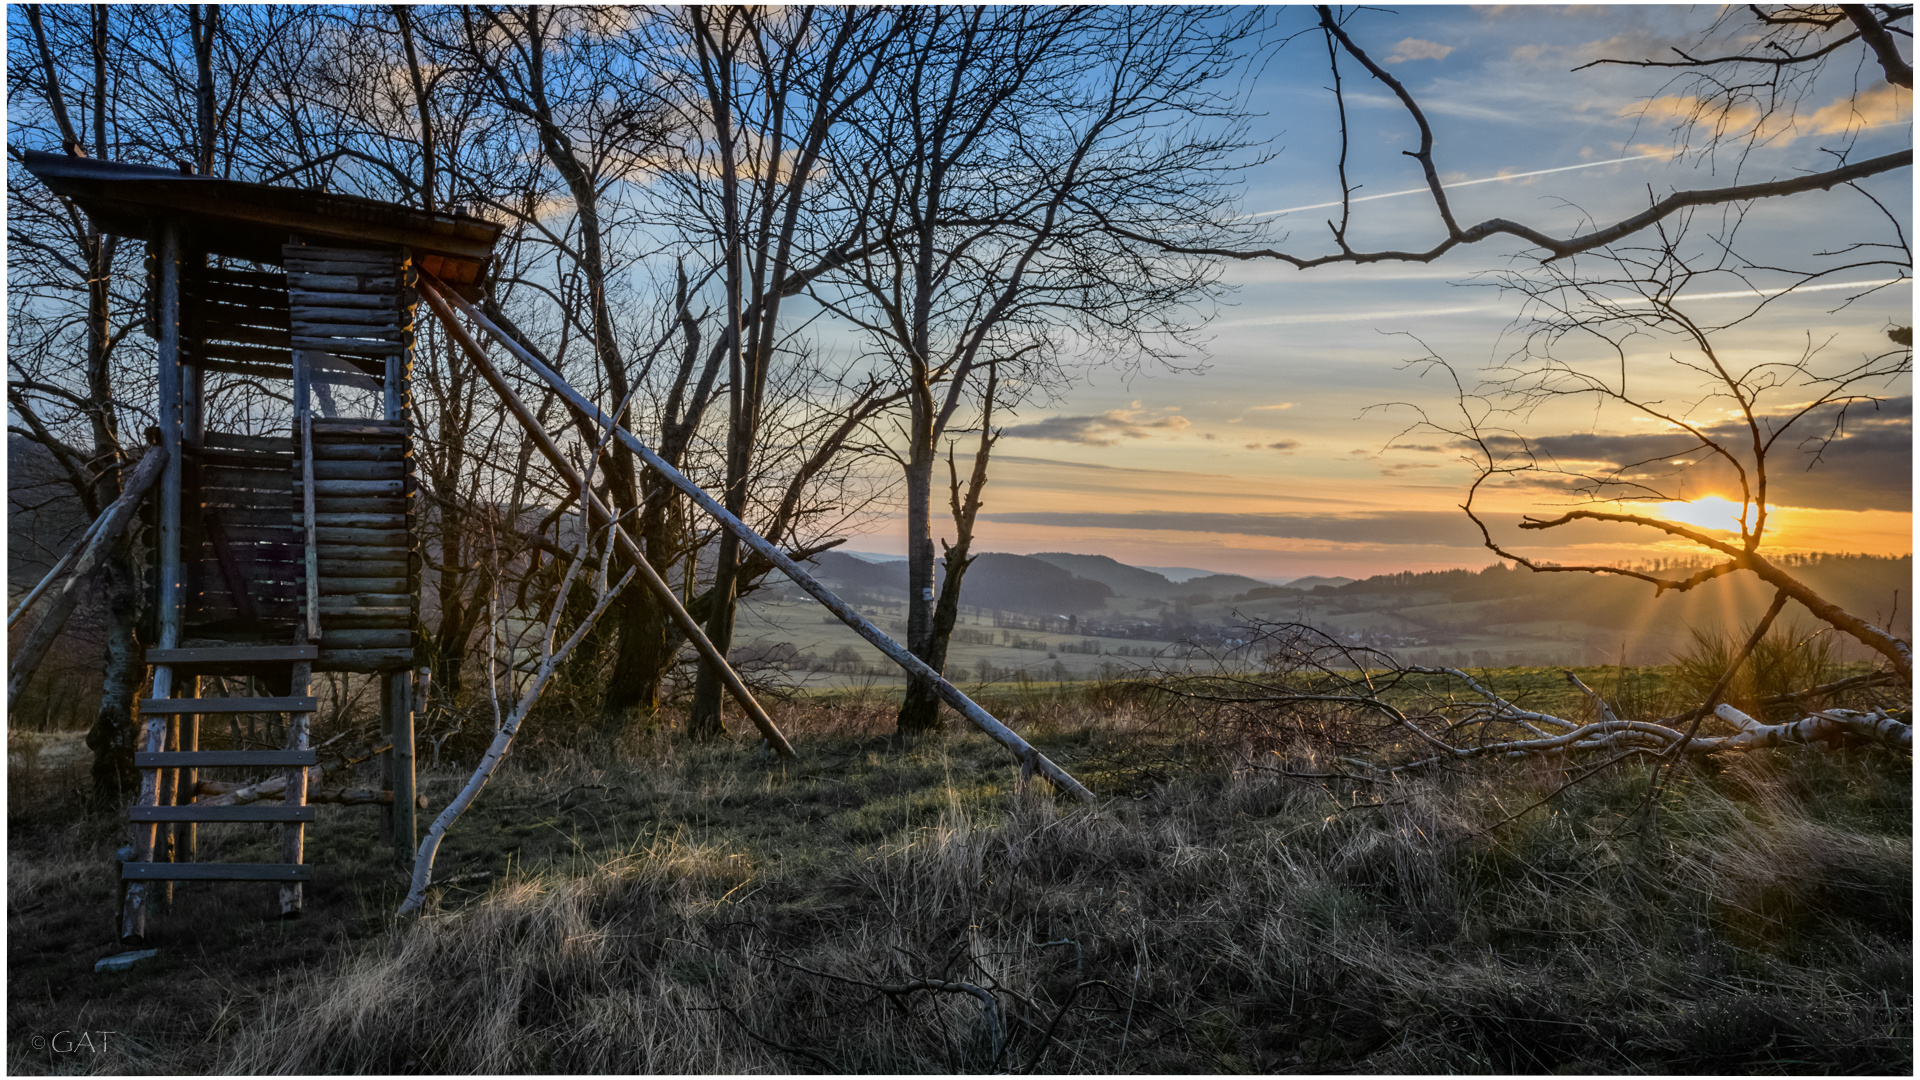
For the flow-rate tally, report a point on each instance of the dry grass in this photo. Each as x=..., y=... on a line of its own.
x=663, y=907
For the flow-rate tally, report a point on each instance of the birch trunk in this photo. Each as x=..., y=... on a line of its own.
x=502, y=741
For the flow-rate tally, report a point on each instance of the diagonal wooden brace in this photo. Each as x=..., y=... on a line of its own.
x=661, y=590
x=440, y=296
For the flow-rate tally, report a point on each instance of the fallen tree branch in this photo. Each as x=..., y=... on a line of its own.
x=1820, y=726
x=1857, y=682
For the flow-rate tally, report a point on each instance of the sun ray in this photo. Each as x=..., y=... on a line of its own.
x=1708, y=512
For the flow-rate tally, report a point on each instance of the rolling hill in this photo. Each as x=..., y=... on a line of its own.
x=1143, y=584
x=1017, y=583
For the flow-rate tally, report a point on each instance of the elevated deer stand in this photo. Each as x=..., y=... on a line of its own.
x=284, y=554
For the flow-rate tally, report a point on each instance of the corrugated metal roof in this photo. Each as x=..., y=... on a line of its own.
x=251, y=221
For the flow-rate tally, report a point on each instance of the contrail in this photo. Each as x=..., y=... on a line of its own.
x=1464, y=183
x=1827, y=286
x=1359, y=315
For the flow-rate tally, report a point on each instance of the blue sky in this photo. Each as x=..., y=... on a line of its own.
x=1271, y=460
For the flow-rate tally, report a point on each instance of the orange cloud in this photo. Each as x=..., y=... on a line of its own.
x=1876, y=107
x=1882, y=105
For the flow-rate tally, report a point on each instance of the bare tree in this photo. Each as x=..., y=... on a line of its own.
x=1748, y=419
x=777, y=88
x=1749, y=77
x=1775, y=54
x=74, y=379
x=582, y=128
x=995, y=159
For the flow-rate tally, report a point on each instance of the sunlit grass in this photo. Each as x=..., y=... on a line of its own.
x=660, y=906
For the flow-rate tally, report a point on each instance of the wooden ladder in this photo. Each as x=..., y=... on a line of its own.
x=171, y=775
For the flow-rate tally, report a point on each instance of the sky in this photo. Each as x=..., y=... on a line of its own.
x=1284, y=454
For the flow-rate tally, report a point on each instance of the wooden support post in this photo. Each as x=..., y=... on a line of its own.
x=186, y=833
x=193, y=411
x=406, y=820
x=385, y=759
x=193, y=430
x=165, y=842
x=293, y=834
x=133, y=924
x=397, y=818
x=305, y=435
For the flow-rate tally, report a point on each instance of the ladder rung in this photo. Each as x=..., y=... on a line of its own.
x=239, y=871
x=188, y=759
x=338, y=426
x=154, y=706
x=239, y=654
x=220, y=813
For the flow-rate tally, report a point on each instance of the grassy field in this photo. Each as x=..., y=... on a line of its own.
x=1045, y=656
x=658, y=906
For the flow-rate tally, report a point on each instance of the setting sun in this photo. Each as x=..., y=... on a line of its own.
x=1710, y=512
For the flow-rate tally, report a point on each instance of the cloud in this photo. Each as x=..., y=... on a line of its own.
x=1416, y=49
x=1868, y=466
x=1445, y=527
x=1282, y=445
x=1106, y=429
x=1266, y=408
x=1877, y=106
x=1826, y=286
x=1627, y=45
x=1401, y=468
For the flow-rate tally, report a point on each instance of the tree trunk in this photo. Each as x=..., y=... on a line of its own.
x=921, y=709
x=451, y=653
x=648, y=641
x=920, y=712
x=113, y=736
x=703, y=723
x=633, y=687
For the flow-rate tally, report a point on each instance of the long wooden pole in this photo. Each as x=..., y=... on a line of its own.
x=304, y=432
x=658, y=585
x=398, y=823
x=133, y=921
x=948, y=692
x=60, y=567
x=406, y=820
x=293, y=834
x=193, y=432
x=102, y=536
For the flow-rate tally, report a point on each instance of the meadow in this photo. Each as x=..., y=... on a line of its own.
x=647, y=904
